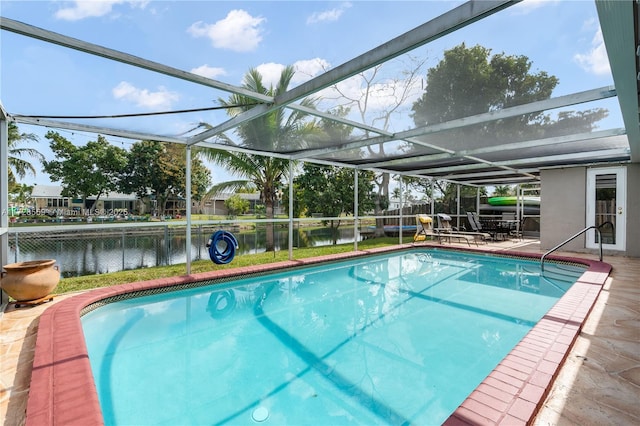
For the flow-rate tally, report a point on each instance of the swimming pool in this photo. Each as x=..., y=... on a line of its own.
x=394, y=339
x=61, y=367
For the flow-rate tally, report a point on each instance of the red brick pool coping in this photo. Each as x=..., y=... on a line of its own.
x=62, y=390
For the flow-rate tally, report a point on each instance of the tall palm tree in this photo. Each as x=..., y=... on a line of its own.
x=18, y=166
x=276, y=130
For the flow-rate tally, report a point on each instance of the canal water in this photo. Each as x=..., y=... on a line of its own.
x=85, y=253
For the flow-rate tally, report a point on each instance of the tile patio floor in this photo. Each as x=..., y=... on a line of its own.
x=599, y=384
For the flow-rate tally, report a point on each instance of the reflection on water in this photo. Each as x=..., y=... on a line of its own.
x=82, y=252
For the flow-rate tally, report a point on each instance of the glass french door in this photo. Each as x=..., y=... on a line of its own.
x=606, y=207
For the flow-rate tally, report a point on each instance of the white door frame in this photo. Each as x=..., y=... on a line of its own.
x=620, y=208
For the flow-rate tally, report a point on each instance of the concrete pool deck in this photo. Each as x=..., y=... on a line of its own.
x=598, y=383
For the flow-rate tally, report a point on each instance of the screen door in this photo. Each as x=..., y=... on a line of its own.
x=606, y=196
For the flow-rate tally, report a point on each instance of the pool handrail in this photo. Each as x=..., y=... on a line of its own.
x=597, y=228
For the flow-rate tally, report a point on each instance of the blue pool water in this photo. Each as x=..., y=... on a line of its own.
x=395, y=339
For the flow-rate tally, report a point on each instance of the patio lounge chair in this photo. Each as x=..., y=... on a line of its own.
x=424, y=228
x=446, y=231
x=476, y=226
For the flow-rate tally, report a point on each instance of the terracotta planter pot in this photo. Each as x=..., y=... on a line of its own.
x=30, y=280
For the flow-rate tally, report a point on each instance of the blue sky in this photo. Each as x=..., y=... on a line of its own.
x=222, y=40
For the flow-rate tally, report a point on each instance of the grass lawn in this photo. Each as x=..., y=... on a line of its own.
x=88, y=282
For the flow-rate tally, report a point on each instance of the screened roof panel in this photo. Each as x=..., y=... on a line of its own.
x=503, y=37
x=583, y=146
x=391, y=107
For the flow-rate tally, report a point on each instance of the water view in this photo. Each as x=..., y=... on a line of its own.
x=86, y=253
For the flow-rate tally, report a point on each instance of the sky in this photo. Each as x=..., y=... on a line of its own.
x=223, y=40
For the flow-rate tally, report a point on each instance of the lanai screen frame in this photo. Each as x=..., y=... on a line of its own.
x=618, y=21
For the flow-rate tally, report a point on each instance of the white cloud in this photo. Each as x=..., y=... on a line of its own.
x=91, y=9
x=596, y=60
x=239, y=31
x=304, y=70
x=527, y=6
x=309, y=68
x=161, y=99
x=270, y=73
x=328, y=15
x=209, y=72
x=156, y=308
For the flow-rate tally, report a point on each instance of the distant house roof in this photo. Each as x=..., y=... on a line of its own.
x=245, y=196
x=54, y=191
x=46, y=191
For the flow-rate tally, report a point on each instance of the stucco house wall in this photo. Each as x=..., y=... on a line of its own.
x=633, y=210
x=563, y=209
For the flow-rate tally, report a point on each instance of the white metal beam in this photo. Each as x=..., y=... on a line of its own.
x=115, y=55
x=616, y=153
x=489, y=174
x=4, y=195
x=499, y=181
x=95, y=129
x=581, y=137
x=618, y=22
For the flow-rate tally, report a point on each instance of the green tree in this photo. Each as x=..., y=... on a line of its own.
x=329, y=190
x=531, y=189
x=298, y=205
x=90, y=170
x=421, y=186
x=447, y=193
x=157, y=171
x=469, y=81
x=502, y=191
x=444, y=192
x=328, y=132
x=276, y=131
x=18, y=166
x=408, y=197
x=21, y=194
x=236, y=205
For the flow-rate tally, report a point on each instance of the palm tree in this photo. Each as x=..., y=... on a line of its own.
x=21, y=194
x=502, y=191
x=271, y=132
x=18, y=167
